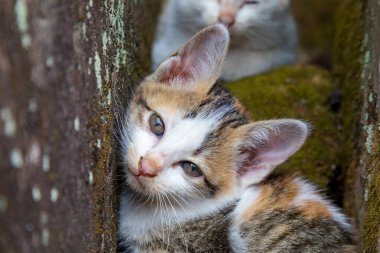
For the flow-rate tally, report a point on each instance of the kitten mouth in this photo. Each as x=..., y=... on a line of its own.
x=137, y=180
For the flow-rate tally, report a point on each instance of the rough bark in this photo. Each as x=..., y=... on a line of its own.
x=357, y=73
x=368, y=201
x=65, y=69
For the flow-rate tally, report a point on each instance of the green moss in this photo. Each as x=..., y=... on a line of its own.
x=347, y=72
x=296, y=92
x=314, y=19
x=148, y=13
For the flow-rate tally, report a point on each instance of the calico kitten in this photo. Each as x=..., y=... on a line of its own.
x=263, y=32
x=199, y=173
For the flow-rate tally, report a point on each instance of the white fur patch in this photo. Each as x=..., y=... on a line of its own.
x=248, y=197
x=143, y=141
x=136, y=228
x=237, y=243
x=182, y=138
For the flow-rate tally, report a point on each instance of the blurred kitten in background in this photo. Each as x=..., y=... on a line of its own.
x=263, y=32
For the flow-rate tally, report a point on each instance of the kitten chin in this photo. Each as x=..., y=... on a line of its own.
x=263, y=33
x=201, y=176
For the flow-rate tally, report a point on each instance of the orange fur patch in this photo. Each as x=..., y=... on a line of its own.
x=240, y=107
x=314, y=209
x=273, y=197
x=170, y=99
x=221, y=163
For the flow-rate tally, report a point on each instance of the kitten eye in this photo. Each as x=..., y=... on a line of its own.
x=251, y=2
x=156, y=125
x=191, y=169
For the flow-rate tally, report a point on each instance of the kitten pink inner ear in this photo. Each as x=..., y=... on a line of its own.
x=200, y=59
x=266, y=145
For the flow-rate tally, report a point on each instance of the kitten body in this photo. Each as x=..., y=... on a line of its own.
x=266, y=218
x=199, y=174
x=263, y=34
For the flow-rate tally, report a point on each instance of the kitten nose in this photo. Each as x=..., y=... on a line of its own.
x=227, y=19
x=148, y=167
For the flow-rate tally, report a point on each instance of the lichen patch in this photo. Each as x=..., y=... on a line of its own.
x=9, y=122
x=16, y=158
x=21, y=12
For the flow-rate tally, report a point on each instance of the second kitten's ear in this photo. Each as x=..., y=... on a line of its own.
x=199, y=60
x=265, y=144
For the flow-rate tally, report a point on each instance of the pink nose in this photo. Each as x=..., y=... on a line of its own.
x=148, y=167
x=227, y=19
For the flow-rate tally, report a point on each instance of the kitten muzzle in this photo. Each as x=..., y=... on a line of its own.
x=148, y=167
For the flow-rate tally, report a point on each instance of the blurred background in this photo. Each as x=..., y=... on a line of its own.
x=67, y=69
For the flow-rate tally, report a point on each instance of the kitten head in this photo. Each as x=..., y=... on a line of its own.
x=239, y=15
x=186, y=136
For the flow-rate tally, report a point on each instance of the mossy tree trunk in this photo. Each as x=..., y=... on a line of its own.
x=65, y=69
x=357, y=73
x=368, y=200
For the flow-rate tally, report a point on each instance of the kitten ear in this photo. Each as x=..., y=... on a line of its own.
x=265, y=144
x=200, y=59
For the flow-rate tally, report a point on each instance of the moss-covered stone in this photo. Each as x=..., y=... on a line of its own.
x=296, y=92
